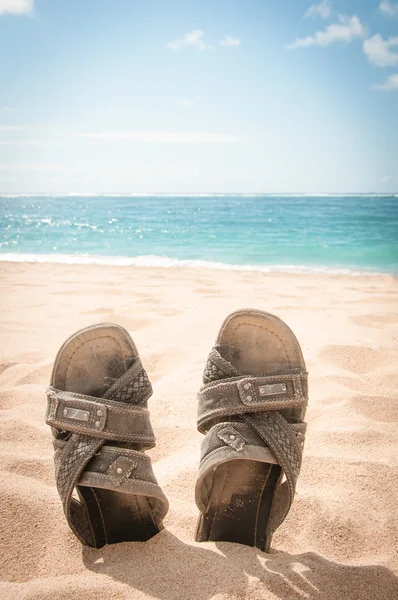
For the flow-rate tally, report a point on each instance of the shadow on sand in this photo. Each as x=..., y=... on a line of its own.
x=169, y=569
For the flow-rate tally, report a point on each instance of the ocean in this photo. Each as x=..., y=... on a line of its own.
x=337, y=234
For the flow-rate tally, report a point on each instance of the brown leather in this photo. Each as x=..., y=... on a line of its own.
x=251, y=416
x=250, y=394
x=98, y=440
x=106, y=419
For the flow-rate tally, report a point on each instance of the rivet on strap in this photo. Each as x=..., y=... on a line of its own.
x=121, y=469
x=230, y=436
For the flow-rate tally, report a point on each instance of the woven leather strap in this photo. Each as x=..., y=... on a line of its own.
x=81, y=458
x=70, y=461
x=288, y=450
x=240, y=416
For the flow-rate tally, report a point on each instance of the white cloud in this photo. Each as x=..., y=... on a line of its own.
x=173, y=137
x=22, y=142
x=323, y=10
x=389, y=8
x=345, y=31
x=16, y=7
x=378, y=51
x=391, y=83
x=189, y=102
x=228, y=40
x=193, y=39
x=385, y=179
x=31, y=167
x=11, y=127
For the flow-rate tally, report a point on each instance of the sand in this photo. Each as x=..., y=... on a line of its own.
x=340, y=539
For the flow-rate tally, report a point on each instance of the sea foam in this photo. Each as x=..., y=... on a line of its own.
x=173, y=263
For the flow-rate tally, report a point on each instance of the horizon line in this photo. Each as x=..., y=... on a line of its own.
x=192, y=194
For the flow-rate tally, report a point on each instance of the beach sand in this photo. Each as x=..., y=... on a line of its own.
x=340, y=538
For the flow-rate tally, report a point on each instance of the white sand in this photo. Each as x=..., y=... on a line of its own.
x=340, y=539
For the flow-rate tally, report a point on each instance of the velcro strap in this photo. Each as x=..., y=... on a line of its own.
x=251, y=394
x=99, y=417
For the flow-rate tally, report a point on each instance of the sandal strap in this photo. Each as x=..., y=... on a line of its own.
x=70, y=460
x=250, y=394
x=128, y=471
x=82, y=457
x=256, y=418
x=99, y=418
x=239, y=437
x=85, y=461
x=267, y=438
x=217, y=367
x=133, y=387
x=121, y=415
x=287, y=448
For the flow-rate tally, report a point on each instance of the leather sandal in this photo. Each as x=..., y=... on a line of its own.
x=251, y=410
x=97, y=410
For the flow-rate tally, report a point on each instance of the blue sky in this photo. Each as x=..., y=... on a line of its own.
x=198, y=96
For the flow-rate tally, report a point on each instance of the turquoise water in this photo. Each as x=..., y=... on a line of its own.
x=287, y=233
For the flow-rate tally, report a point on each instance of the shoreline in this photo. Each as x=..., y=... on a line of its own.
x=164, y=262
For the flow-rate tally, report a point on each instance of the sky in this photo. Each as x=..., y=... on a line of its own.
x=184, y=96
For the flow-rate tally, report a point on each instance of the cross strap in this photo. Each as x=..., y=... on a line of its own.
x=241, y=418
x=82, y=457
x=85, y=461
x=125, y=470
x=240, y=395
x=287, y=448
x=262, y=437
x=217, y=367
x=237, y=438
x=132, y=387
x=69, y=461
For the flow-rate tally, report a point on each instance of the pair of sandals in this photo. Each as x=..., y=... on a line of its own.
x=251, y=410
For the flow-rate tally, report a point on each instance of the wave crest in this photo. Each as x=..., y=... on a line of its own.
x=170, y=263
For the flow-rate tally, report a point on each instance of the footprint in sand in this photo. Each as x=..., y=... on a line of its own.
x=39, y=376
x=170, y=312
x=107, y=314
x=29, y=535
x=373, y=300
x=39, y=469
x=18, y=431
x=12, y=398
x=205, y=290
x=159, y=364
x=376, y=408
x=131, y=324
x=357, y=359
x=6, y=365
x=299, y=307
x=357, y=384
x=22, y=373
x=95, y=311
x=209, y=292
x=86, y=292
x=37, y=285
x=375, y=321
x=147, y=300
